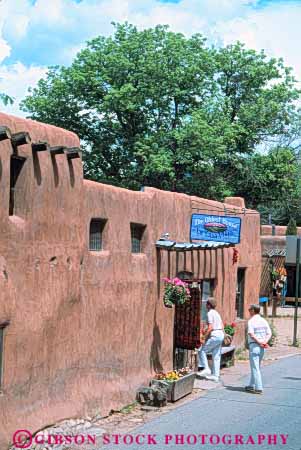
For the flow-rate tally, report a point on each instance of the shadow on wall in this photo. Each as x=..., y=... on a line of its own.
x=55, y=171
x=37, y=168
x=155, y=362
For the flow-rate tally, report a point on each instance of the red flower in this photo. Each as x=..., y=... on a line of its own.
x=233, y=324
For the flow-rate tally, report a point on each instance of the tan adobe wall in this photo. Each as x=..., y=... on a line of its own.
x=87, y=328
x=267, y=230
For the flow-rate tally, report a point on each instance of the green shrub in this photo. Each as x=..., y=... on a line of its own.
x=291, y=228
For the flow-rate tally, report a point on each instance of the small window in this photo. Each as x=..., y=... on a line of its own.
x=207, y=291
x=96, y=234
x=137, y=232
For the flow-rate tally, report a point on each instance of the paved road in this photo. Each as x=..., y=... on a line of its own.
x=231, y=411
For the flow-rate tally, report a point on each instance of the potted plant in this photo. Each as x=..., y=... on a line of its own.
x=181, y=382
x=176, y=292
x=229, y=330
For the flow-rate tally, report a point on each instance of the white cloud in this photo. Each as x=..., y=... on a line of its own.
x=4, y=49
x=52, y=32
x=275, y=29
x=15, y=80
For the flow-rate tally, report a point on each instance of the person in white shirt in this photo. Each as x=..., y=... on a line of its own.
x=259, y=334
x=215, y=332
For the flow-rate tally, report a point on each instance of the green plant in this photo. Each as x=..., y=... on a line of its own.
x=230, y=328
x=176, y=292
x=291, y=228
x=128, y=408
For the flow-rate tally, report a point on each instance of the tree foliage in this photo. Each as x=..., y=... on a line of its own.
x=291, y=228
x=156, y=108
x=6, y=99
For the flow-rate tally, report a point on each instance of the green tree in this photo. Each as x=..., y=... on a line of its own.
x=291, y=228
x=6, y=99
x=156, y=108
x=267, y=179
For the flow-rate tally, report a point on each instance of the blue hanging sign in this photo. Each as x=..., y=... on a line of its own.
x=206, y=227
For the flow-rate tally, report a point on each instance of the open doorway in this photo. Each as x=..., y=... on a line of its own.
x=240, y=293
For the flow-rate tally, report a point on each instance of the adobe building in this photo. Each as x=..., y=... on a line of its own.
x=273, y=248
x=82, y=321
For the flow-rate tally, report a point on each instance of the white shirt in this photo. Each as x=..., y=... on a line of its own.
x=258, y=326
x=214, y=319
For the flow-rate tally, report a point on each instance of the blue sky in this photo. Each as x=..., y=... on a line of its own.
x=37, y=33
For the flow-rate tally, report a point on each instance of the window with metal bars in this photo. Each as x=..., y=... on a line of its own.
x=96, y=234
x=137, y=231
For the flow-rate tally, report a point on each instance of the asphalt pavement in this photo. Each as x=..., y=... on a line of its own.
x=228, y=417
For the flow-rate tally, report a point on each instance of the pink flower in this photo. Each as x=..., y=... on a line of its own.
x=167, y=280
x=177, y=280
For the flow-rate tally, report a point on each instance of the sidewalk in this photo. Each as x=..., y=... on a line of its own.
x=134, y=415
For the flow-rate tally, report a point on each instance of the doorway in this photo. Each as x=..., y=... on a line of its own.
x=240, y=294
x=187, y=327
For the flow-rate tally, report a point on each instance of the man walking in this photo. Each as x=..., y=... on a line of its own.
x=215, y=332
x=259, y=334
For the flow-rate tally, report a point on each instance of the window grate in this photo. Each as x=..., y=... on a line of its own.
x=137, y=232
x=96, y=234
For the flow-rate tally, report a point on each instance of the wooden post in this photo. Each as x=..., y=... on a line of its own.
x=265, y=309
x=274, y=306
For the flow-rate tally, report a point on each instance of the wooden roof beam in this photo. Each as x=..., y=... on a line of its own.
x=40, y=146
x=5, y=133
x=21, y=138
x=59, y=150
x=73, y=152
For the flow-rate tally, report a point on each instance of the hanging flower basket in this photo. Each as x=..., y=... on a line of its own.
x=229, y=330
x=176, y=292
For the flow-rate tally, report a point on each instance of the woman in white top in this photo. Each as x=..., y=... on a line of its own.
x=213, y=345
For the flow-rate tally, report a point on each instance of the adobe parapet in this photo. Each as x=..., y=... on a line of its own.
x=40, y=173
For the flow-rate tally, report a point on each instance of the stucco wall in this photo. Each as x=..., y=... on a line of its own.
x=279, y=230
x=87, y=328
